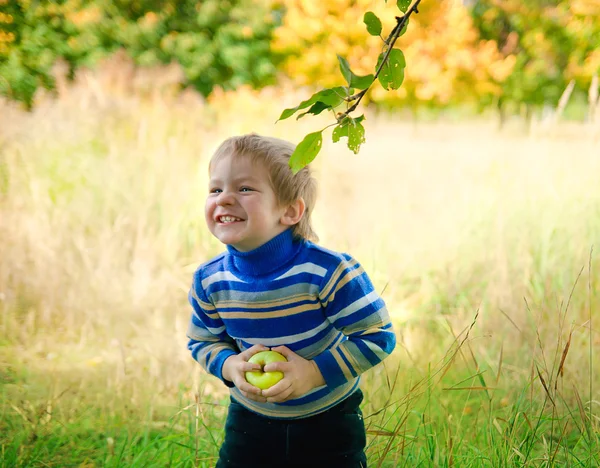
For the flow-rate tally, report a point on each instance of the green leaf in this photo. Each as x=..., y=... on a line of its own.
x=339, y=131
x=354, y=81
x=403, y=5
x=303, y=105
x=334, y=96
x=353, y=130
x=373, y=23
x=404, y=28
x=306, y=151
x=345, y=69
x=362, y=82
x=331, y=97
x=315, y=109
x=392, y=73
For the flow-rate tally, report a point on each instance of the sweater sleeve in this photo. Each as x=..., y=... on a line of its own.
x=354, y=308
x=209, y=342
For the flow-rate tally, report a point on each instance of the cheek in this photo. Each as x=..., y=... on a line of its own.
x=209, y=209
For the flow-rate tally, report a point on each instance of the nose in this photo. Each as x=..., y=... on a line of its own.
x=225, y=198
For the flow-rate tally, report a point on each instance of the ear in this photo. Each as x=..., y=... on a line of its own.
x=293, y=213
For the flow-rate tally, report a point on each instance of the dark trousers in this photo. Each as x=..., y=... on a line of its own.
x=333, y=439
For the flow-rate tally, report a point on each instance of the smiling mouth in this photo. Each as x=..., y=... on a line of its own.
x=228, y=219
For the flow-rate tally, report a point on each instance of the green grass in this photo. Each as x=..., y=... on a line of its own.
x=455, y=413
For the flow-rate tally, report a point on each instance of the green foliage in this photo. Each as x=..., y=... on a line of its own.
x=390, y=72
x=306, y=151
x=34, y=35
x=353, y=130
x=537, y=34
x=324, y=99
x=403, y=5
x=217, y=42
x=373, y=23
x=354, y=81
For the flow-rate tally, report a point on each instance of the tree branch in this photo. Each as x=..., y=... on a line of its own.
x=389, y=42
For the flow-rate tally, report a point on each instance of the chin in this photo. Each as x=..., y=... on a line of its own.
x=240, y=243
x=230, y=240
x=243, y=247
x=233, y=242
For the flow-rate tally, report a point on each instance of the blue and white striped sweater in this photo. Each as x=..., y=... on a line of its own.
x=320, y=304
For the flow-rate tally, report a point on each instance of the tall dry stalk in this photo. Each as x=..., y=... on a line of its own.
x=593, y=99
x=563, y=101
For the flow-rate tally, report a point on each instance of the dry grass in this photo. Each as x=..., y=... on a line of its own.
x=101, y=226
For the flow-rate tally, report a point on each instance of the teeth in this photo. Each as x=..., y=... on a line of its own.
x=229, y=219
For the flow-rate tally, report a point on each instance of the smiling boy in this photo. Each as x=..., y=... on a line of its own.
x=274, y=288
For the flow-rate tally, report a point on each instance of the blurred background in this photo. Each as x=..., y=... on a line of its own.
x=474, y=205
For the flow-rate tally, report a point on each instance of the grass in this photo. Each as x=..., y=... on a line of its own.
x=482, y=243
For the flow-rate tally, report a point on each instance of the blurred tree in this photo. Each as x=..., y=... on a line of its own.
x=447, y=62
x=218, y=42
x=536, y=32
x=584, y=28
x=503, y=51
x=32, y=36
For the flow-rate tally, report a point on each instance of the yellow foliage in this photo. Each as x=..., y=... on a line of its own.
x=583, y=23
x=587, y=69
x=585, y=7
x=6, y=37
x=445, y=58
x=6, y=19
x=149, y=20
x=80, y=15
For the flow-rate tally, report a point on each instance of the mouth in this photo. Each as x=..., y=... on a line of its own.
x=228, y=219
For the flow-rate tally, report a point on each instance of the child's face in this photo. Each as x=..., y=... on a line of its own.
x=241, y=207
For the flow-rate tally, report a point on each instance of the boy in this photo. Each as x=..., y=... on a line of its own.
x=275, y=289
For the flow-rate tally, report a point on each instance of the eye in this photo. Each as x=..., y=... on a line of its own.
x=215, y=190
x=246, y=189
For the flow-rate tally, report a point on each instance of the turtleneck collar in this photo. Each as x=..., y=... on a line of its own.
x=268, y=257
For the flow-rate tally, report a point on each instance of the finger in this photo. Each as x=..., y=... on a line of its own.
x=283, y=396
x=247, y=388
x=277, y=366
x=258, y=347
x=287, y=352
x=246, y=366
x=276, y=389
x=253, y=397
x=252, y=351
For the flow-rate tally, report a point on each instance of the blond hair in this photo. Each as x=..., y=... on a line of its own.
x=274, y=154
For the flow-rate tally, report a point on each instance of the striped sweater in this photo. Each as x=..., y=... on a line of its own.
x=320, y=304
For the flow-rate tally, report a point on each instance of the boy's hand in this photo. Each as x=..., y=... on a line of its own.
x=300, y=376
x=237, y=365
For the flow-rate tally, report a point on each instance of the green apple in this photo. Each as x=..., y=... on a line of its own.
x=261, y=379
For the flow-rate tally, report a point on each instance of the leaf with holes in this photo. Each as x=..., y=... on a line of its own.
x=353, y=130
x=306, y=151
x=403, y=5
x=392, y=73
x=373, y=23
x=354, y=81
